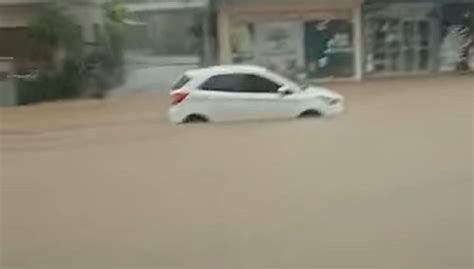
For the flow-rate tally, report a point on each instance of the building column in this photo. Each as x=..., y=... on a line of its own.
x=206, y=40
x=358, y=43
x=223, y=30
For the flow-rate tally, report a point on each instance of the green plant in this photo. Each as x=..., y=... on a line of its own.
x=53, y=32
x=113, y=39
x=50, y=31
x=108, y=58
x=63, y=84
x=115, y=11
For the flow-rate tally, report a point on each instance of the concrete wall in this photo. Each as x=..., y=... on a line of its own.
x=154, y=73
x=169, y=32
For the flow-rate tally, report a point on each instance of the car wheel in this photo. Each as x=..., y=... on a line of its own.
x=310, y=114
x=195, y=118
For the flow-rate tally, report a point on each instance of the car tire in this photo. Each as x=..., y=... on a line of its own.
x=195, y=118
x=311, y=113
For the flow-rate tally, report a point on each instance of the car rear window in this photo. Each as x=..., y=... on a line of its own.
x=181, y=82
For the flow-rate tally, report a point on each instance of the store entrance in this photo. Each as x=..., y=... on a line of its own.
x=399, y=45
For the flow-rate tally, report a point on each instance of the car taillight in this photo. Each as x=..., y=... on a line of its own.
x=178, y=96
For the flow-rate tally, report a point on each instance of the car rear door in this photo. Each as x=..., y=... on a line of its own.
x=223, y=98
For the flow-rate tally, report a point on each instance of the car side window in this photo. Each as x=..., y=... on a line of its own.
x=257, y=84
x=245, y=83
x=223, y=83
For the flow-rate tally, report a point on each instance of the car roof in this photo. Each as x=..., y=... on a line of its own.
x=225, y=69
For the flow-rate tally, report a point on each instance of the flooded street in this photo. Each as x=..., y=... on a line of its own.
x=112, y=183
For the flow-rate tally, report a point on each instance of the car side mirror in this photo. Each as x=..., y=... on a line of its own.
x=284, y=90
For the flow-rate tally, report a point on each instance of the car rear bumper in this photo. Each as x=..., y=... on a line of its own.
x=175, y=115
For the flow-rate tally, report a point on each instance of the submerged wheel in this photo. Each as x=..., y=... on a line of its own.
x=310, y=114
x=195, y=118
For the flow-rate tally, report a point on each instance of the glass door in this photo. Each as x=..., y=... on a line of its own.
x=416, y=45
x=383, y=42
x=329, y=48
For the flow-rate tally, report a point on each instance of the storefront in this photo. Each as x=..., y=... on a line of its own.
x=301, y=39
x=417, y=36
x=400, y=38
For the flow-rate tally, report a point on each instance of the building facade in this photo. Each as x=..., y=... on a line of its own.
x=347, y=39
x=304, y=39
x=417, y=37
x=15, y=16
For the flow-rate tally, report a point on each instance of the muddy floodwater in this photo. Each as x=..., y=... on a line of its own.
x=108, y=184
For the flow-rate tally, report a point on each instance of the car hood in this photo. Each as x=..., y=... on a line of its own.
x=319, y=91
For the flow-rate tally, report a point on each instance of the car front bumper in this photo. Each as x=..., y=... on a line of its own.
x=334, y=110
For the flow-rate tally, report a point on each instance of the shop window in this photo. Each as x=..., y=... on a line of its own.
x=280, y=47
x=242, y=43
x=400, y=37
x=457, y=37
x=398, y=45
x=329, y=48
x=424, y=59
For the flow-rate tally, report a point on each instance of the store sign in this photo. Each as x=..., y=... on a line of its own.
x=280, y=46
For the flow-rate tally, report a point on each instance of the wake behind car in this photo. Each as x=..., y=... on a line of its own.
x=238, y=92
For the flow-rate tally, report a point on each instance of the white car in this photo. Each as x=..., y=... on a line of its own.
x=237, y=92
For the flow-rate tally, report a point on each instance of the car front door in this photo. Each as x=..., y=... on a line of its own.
x=264, y=100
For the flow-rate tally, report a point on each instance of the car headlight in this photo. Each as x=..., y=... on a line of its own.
x=330, y=100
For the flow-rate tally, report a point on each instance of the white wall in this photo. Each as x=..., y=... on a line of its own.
x=154, y=73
